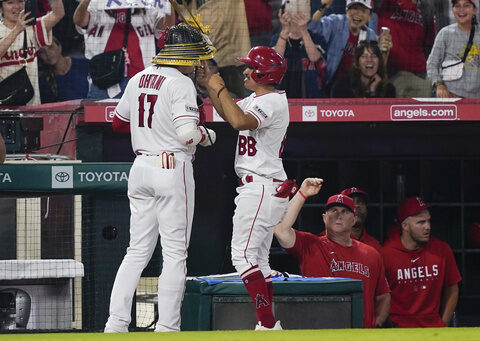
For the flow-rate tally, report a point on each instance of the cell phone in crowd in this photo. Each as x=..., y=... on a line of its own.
x=31, y=6
x=291, y=6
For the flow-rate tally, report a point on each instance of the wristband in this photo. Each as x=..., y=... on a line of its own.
x=303, y=195
x=280, y=36
x=220, y=91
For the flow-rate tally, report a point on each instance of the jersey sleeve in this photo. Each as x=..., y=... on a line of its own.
x=452, y=274
x=94, y=18
x=262, y=109
x=43, y=37
x=184, y=99
x=297, y=249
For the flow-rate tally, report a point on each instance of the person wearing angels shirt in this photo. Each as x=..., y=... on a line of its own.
x=339, y=35
x=412, y=27
x=104, y=30
x=336, y=254
x=12, y=28
x=450, y=45
x=420, y=270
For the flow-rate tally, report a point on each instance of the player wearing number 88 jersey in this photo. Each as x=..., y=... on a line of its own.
x=259, y=151
x=159, y=107
x=262, y=120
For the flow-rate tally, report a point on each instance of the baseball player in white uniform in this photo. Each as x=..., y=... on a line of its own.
x=262, y=120
x=159, y=106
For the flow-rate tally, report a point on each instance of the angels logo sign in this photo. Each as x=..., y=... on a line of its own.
x=309, y=113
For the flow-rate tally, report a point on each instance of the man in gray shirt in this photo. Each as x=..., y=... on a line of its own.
x=450, y=45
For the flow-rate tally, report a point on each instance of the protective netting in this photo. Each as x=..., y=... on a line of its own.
x=58, y=262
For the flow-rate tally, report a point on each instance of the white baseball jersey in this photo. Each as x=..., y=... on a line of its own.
x=106, y=33
x=259, y=151
x=155, y=102
x=12, y=60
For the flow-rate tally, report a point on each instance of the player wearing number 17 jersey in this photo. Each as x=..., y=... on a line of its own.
x=159, y=106
x=262, y=120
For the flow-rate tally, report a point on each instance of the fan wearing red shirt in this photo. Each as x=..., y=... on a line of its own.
x=412, y=29
x=336, y=254
x=421, y=271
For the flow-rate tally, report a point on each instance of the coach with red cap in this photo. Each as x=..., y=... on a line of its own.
x=420, y=270
x=336, y=254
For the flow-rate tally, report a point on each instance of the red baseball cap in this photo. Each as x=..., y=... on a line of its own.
x=340, y=200
x=355, y=191
x=409, y=207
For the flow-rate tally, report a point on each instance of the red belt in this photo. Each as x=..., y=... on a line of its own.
x=249, y=178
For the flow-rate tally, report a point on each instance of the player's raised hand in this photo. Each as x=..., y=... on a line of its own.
x=204, y=72
x=215, y=82
x=311, y=186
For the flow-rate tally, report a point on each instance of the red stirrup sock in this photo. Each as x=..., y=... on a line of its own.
x=257, y=289
x=269, y=282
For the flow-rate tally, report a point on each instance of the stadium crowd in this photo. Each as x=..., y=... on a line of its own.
x=333, y=48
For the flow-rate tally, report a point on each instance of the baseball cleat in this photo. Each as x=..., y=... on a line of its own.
x=277, y=326
x=111, y=330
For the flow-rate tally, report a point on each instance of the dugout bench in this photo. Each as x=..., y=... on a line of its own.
x=300, y=303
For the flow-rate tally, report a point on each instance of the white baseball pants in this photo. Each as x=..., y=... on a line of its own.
x=161, y=203
x=256, y=214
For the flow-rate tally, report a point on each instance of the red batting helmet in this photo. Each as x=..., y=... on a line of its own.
x=267, y=64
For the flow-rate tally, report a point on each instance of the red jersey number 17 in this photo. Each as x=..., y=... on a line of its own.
x=152, y=99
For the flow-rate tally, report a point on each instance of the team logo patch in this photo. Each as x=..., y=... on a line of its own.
x=420, y=202
x=260, y=301
x=260, y=111
x=340, y=198
x=191, y=109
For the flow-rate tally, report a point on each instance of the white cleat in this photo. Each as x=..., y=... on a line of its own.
x=277, y=326
x=111, y=330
